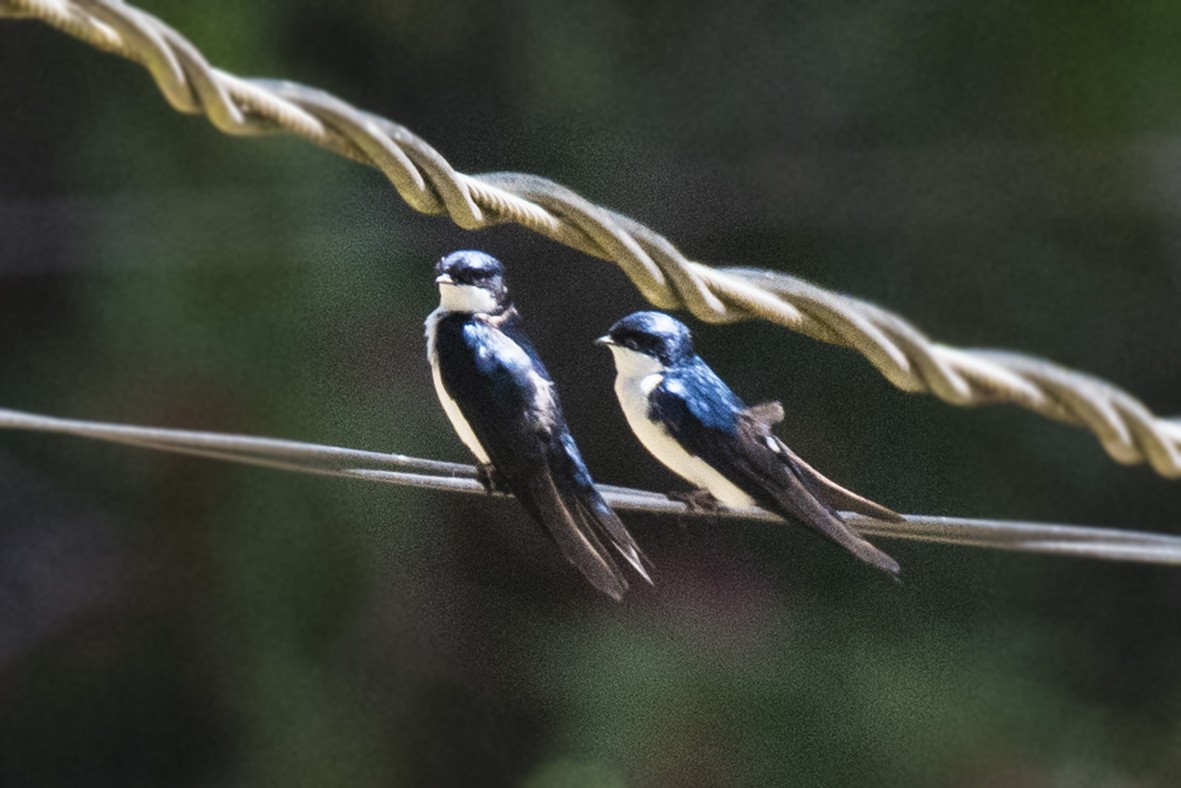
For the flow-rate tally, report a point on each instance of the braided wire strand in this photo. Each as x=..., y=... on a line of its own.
x=1128, y=431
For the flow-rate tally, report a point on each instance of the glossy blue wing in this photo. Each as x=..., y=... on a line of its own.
x=701, y=412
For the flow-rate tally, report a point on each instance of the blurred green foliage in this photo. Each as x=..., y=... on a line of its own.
x=1003, y=174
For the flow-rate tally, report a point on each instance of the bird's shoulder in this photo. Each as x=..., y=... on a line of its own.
x=691, y=394
x=511, y=326
x=496, y=345
x=489, y=370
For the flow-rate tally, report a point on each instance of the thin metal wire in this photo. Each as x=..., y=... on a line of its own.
x=1080, y=541
x=1127, y=430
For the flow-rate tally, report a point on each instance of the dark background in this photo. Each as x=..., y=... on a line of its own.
x=1003, y=174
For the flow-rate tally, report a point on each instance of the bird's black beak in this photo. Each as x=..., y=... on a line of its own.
x=444, y=279
x=605, y=341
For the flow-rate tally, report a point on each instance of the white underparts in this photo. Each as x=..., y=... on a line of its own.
x=637, y=374
x=454, y=414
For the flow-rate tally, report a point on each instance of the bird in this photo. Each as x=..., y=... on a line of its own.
x=503, y=405
x=690, y=420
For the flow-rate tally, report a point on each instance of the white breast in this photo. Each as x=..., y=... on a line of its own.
x=454, y=414
x=637, y=375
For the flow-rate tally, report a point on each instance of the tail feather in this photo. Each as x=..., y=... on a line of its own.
x=575, y=537
x=803, y=501
x=862, y=549
x=834, y=494
x=600, y=518
x=827, y=523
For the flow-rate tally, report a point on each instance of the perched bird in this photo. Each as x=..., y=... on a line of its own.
x=502, y=403
x=691, y=421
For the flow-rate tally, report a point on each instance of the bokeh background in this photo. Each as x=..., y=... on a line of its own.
x=1004, y=174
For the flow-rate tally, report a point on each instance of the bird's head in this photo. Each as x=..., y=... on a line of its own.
x=473, y=282
x=648, y=339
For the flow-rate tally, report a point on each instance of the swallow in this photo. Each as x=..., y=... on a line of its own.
x=503, y=405
x=690, y=420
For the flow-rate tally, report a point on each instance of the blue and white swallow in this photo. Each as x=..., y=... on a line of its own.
x=691, y=421
x=503, y=405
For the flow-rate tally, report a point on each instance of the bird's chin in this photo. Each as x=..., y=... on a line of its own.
x=634, y=364
x=466, y=298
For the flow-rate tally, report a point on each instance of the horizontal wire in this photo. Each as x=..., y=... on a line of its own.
x=1125, y=427
x=286, y=455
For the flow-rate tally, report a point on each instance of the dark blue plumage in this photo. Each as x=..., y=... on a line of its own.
x=690, y=395
x=692, y=422
x=503, y=404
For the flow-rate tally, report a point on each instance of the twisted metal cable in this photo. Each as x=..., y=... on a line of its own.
x=1070, y=540
x=1127, y=430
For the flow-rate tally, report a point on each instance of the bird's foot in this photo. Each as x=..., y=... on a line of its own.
x=696, y=500
x=490, y=478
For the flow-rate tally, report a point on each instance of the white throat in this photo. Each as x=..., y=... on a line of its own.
x=466, y=298
x=632, y=364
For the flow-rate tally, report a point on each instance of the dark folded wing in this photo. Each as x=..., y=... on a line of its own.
x=835, y=495
x=743, y=450
x=508, y=400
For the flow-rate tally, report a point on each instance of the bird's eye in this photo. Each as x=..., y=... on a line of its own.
x=637, y=341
